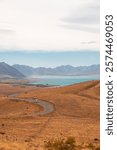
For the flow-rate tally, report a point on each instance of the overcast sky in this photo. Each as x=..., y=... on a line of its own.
x=50, y=25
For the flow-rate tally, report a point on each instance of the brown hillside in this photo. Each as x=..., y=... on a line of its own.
x=77, y=114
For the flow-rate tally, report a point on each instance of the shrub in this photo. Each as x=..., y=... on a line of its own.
x=61, y=144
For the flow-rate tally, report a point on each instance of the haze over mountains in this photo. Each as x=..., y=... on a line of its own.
x=23, y=71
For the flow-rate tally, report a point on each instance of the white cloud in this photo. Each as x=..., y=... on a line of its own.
x=49, y=24
x=84, y=18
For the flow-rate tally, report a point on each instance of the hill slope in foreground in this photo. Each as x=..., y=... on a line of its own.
x=76, y=114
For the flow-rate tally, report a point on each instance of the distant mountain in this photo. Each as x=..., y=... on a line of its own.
x=7, y=71
x=60, y=70
x=21, y=71
x=26, y=70
x=81, y=70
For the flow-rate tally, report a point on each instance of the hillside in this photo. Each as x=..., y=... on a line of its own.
x=7, y=71
x=76, y=114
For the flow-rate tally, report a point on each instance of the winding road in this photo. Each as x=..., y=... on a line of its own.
x=47, y=106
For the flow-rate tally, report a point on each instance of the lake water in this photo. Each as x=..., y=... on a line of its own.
x=64, y=80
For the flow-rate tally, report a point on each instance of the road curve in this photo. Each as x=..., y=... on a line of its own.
x=47, y=106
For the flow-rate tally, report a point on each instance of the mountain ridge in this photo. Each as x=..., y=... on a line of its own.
x=7, y=71
x=22, y=71
x=59, y=70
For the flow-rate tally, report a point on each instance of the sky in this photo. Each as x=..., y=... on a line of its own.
x=49, y=33
x=49, y=25
x=50, y=59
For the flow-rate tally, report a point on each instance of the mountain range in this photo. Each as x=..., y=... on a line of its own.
x=60, y=70
x=23, y=71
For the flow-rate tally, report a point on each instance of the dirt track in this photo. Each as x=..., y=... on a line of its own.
x=47, y=106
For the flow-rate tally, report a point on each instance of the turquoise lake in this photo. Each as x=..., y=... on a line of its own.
x=64, y=80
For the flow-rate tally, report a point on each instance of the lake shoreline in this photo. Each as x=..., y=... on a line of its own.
x=38, y=82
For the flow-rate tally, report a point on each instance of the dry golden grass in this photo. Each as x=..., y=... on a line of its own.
x=77, y=114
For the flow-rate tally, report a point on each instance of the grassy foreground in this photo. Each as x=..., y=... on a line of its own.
x=76, y=114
